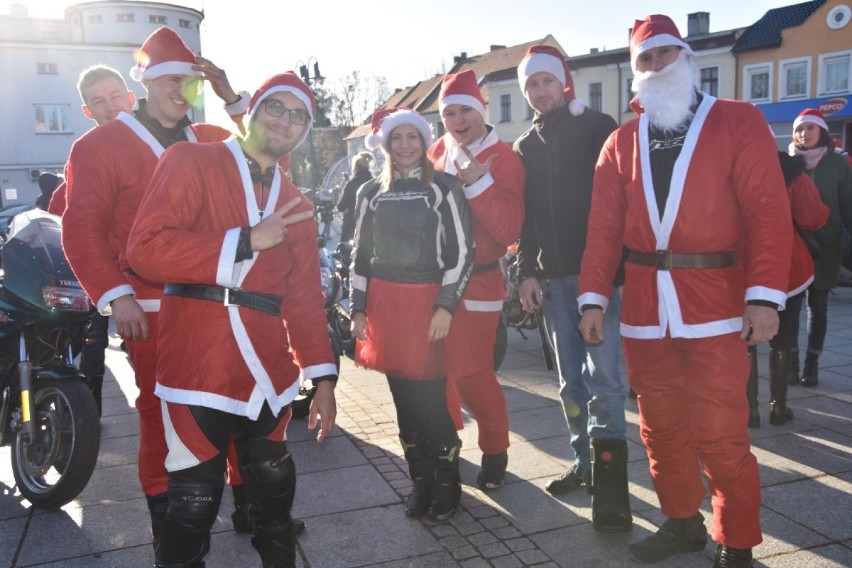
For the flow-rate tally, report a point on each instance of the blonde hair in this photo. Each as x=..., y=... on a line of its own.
x=427, y=169
x=361, y=162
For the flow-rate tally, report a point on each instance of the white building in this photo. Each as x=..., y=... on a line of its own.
x=40, y=61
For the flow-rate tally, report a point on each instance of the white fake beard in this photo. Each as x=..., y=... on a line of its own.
x=669, y=94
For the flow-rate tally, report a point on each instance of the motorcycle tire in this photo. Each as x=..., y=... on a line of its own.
x=54, y=469
x=501, y=343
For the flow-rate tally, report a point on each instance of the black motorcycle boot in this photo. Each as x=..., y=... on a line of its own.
x=167, y=564
x=794, y=367
x=276, y=546
x=779, y=369
x=446, y=489
x=727, y=557
x=240, y=516
x=157, y=507
x=810, y=375
x=417, y=455
x=610, y=495
x=493, y=471
x=674, y=537
x=752, y=389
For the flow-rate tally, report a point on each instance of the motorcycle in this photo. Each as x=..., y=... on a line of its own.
x=48, y=414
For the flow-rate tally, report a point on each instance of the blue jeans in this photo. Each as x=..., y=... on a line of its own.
x=590, y=386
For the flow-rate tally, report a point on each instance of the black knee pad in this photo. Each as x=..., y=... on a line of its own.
x=195, y=506
x=272, y=485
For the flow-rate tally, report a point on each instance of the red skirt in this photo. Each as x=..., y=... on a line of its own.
x=398, y=318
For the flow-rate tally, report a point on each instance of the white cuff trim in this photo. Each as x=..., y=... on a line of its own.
x=769, y=294
x=240, y=106
x=226, y=271
x=592, y=298
x=479, y=186
x=110, y=295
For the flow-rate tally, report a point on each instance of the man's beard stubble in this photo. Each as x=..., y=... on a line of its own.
x=668, y=95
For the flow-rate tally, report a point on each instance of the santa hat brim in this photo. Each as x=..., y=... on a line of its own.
x=809, y=118
x=166, y=68
x=395, y=119
x=466, y=100
x=659, y=40
x=538, y=63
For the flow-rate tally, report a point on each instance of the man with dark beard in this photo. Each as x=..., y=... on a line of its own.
x=700, y=205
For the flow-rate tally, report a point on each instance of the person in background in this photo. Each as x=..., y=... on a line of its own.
x=361, y=174
x=693, y=299
x=493, y=177
x=833, y=177
x=559, y=152
x=809, y=214
x=412, y=258
x=47, y=183
x=235, y=242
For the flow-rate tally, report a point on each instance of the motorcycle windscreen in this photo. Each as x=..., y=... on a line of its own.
x=33, y=257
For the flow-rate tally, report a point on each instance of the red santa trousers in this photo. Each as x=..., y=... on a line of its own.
x=469, y=351
x=693, y=414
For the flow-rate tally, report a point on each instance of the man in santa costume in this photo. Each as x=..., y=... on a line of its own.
x=693, y=189
x=242, y=313
x=493, y=177
x=107, y=174
x=560, y=151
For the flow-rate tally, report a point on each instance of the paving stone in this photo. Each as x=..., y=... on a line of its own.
x=493, y=550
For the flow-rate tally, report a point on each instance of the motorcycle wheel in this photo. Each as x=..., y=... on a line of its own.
x=53, y=469
x=501, y=343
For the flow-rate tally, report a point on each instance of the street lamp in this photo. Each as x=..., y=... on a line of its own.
x=317, y=78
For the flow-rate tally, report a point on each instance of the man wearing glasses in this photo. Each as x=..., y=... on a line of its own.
x=107, y=174
x=236, y=242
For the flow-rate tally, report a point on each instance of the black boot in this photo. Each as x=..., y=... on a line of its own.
x=752, y=388
x=276, y=546
x=610, y=496
x=417, y=455
x=157, y=507
x=493, y=471
x=794, y=367
x=240, y=516
x=727, y=557
x=674, y=537
x=446, y=490
x=810, y=376
x=167, y=564
x=779, y=369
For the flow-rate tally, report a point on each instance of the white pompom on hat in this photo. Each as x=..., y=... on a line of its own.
x=545, y=58
x=811, y=115
x=461, y=89
x=385, y=120
x=163, y=53
x=655, y=30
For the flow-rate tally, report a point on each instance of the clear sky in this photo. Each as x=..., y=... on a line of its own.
x=253, y=39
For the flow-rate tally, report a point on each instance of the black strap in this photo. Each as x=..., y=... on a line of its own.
x=267, y=303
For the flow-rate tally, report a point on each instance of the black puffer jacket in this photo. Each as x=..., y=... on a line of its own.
x=347, y=202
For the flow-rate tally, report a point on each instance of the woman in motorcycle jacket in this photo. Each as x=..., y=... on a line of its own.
x=412, y=259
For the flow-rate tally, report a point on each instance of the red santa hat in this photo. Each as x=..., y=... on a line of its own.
x=655, y=30
x=810, y=115
x=385, y=120
x=163, y=53
x=284, y=82
x=461, y=89
x=548, y=59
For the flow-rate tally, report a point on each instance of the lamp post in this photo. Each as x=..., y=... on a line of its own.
x=308, y=79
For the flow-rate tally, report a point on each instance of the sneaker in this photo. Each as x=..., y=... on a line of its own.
x=493, y=470
x=572, y=479
x=674, y=537
x=727, y=557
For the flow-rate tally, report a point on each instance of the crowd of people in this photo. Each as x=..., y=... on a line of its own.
x=200, y=251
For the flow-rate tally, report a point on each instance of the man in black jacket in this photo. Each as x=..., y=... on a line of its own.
x=560, y=152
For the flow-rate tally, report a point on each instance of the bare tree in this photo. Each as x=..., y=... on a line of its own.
x=355, y=97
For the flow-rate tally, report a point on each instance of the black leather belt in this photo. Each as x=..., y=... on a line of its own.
x=480, y=268
x=667, y=260
x=267, y=303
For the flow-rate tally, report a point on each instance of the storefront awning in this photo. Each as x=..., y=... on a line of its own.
x=831, y=107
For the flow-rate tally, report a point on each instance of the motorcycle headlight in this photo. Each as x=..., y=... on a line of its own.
x=65, y=299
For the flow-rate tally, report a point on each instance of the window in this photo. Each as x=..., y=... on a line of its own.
x=440, y=130
x=529, y=113
x=757, y=82
x=710, y=81
x=596, y=96
x=157, y=20
x=835, y=73
x=505, y=108
x=125, y=17
x=185, y=23
x=47, y=68
x=95, y=19
x=628, y=94
x=51, y=118
x=795, y=78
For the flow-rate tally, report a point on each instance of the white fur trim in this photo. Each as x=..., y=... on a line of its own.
x=592, y=299
x=809, y=118
x=110, y=295
x=143, y=133
x=373, y=141
x=695, y=331
x=478, y=187
x=169, y=68
x=240, y=106
x=576, y=107
x=466, y=100
x=285, y=89
x=179, y=456
x=657, y=41
x=226, y=271
x=768, y=294
x=538, y=63
x=401, y=117
x=321, y=370
x=483, y=305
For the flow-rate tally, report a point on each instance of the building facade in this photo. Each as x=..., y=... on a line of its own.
x=40, y=113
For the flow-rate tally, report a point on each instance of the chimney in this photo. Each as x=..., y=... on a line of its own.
x=698, y=23
x=460, y=58
x=496, y=47
x=593, y=50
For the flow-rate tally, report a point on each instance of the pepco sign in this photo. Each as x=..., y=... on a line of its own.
x=832, y=106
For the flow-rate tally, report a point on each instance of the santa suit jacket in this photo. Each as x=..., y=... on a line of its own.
x=810, y=214
x=726, y=194
x=107, y=175
x=497, y=203
x=229, y=358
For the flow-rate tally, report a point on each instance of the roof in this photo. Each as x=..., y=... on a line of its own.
x=766, y=32
x=411, y=97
